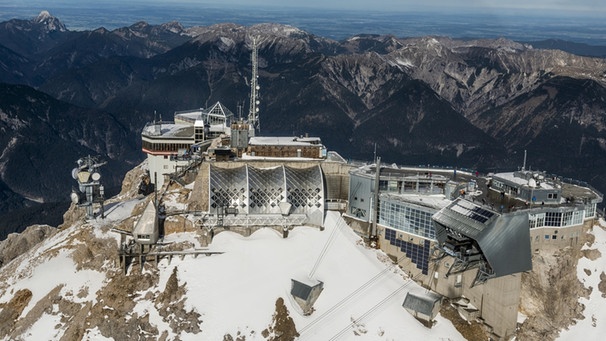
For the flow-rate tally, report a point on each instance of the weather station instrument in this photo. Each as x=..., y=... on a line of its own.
x=90, y=191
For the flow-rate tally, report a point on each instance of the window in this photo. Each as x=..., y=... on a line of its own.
x=553, y=219
x=409, y=219
x=577, y=217
x=590, y=210
x=459, y=281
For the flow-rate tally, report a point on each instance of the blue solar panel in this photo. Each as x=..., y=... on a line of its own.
x=418, y=254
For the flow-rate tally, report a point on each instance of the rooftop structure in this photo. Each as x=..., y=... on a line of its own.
x=496, y=244
x=286, y=147
x=539, y=188
x=171, y=145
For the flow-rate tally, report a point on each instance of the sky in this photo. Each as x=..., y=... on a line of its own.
x=588, y=6
x=594, y=7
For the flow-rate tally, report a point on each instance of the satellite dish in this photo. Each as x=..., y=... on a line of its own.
x=75, y=173
x=96, y=176
x=75, y=198
x=532, y=183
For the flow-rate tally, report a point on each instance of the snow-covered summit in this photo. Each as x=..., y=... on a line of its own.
x=49, y=22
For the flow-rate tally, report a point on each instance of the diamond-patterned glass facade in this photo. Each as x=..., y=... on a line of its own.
x=266, y=188
x=259, y=191
x=228, y=188
x=304, y=188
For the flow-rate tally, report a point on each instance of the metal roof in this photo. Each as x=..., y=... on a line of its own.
x=503, y=239
x=303, y=290
x=421, y=303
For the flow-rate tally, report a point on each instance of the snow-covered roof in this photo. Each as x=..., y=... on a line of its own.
x=168, y=130
x=436, y=201
x=512, y=178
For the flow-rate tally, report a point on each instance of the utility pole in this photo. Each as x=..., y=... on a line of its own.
x=253, y=113
x=372, y=236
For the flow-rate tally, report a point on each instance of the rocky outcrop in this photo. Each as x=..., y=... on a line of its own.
x=550, y=294
x=17, y=244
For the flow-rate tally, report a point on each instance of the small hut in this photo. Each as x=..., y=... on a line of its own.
x=306, y=293
x=423, y=306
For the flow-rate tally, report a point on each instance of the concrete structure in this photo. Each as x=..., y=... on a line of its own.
x=258, y=192
x=244, y=195
x=558, y=209
x=170, y=145
x=286, y=147
x=470, y=250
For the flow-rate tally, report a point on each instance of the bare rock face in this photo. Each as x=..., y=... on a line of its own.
x=550, y=294
x=10, y=311
x=171, y=306
x=72, y=215
x=132, y=180
x=602, y=284
x=282, y=327
x=17, y=244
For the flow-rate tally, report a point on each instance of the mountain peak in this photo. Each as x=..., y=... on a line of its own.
x=50, y=22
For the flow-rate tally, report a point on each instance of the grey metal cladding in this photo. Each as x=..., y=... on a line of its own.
x=300, y=290
x=504, y=239
x=506, y=244
x=421, y=304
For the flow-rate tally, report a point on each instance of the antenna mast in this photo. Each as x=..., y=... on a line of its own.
x=253, y=115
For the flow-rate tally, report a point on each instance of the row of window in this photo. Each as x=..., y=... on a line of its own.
x=394, y=186
x=165, y=147
x=506, y=188
x=556, y=219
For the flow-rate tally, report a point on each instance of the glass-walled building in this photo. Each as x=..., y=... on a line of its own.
x=410, y=213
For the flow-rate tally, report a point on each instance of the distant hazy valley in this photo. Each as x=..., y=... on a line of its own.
x=475, y=103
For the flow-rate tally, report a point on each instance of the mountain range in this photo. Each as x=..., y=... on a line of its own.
x=477, y=104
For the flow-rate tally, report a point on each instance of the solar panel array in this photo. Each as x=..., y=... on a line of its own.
x=418, y=254
x=472, y=211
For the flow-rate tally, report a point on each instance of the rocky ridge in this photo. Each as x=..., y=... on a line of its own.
x=428, y=100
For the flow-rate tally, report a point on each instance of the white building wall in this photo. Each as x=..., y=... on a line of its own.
x=161, y=165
